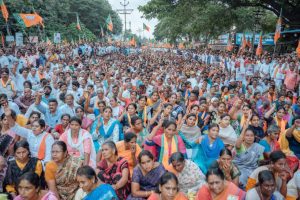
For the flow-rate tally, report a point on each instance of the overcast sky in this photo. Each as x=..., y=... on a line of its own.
x=135, y=17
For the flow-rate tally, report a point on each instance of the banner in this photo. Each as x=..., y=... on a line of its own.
x=57, y=38
x=19, y=39
x=9, y=38
x=266, y=39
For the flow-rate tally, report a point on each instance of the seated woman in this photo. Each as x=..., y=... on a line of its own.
x=59, y=129
x=34, y=116
x=39, y=140
x=218, y=188
x=277, y=119
x=207, y=148
x=86, y=122
x=269, y=142
x=227, y=134
x=146, y=176
x=125, y=118
x=29, y=188
x=190, y=130
x=230, y=170
x=266, y=188
x=105, y=128
x=248, y=154
x=188, y=173
x=129, y=150
x=91, y=188
x=256, y=127
x=114, y=170
x=60, y=172
x=23, y=163
x=117, y=109
x=278, y=167
x=79, y=142
x=293, y=187
x=138, y=128
x=168, y=188
x=164, y=145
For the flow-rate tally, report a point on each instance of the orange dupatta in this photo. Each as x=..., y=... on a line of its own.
x=164, y=149
x=42, y=149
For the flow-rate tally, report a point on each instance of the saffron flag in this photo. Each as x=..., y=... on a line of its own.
x=109, y=24
x=2, y=40
x=145, y=27
x=249, y=42
x=278, y=29
x=78, y=23
x=243, y=44
x=132, y=42
x=259, y=49
x=4, y=11
x=298, y=49
x=28, y=20
x=229, y=46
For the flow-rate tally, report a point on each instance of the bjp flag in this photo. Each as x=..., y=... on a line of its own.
x=259, y=49
x=109, y=23
x=28, y=20
x=278, y=29
x=4, y=11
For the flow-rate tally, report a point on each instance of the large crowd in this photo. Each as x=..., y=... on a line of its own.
x=99, y=122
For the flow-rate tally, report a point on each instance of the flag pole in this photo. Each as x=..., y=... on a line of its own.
x=275, y=33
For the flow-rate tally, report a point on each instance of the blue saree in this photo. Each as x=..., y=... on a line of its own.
x=102, y=192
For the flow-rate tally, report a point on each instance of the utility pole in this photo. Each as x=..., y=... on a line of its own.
x=125, y=11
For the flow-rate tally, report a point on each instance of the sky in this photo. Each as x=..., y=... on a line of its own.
x=135, y=17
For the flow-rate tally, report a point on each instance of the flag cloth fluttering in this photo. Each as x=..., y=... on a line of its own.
x=132, y=42
x=2, y=40
x=28, y=20
x=4, y=11
x=145, y=27
x=243, y=43
x=278, y=29
x=259, y=49
x=102, y=32
x=249, y=42
x=229, y=46
x=109, y=23
x=298, y=49
x=78, y=23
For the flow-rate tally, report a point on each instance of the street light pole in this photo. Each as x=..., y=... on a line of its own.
x=125, y=12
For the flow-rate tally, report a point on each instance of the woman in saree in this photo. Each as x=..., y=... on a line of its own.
x=220, y=111
x=177, y=110
x=29, y=187
x=188, y=173
x=21, y=164
x=277, y=166
x=79, y=142
x=91, y=188
x=113, y=170
x=207, y=148
x=255, y=125
x=7, y=137
x=293, y=187
x=248, y=153
x=59, y=129
x=138, y=129
x=218, y=188
x=277, y=119
x=227, y=133
x=265, y=189
x=34, y=116
x=162, y=146
x=125, y=118
x=105, y=128
x=168, y=189
x=85, y=121
x=143, y=109
x=146, y=176
x=190, y=130
x=230, y=170
x=117, y=109
x=269, y=142
x=60, y=172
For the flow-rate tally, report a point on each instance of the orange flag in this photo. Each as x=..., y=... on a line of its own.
x=278, y=29
x=229, y=46
x=31, y=19
x=132, y=42
x=298, y=49
x=78, y=24
x=4, y=11
x=259, y=49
